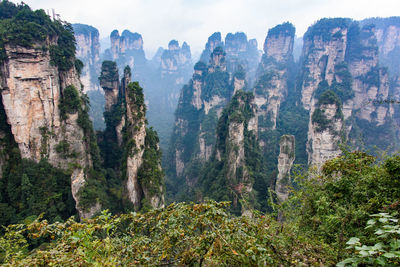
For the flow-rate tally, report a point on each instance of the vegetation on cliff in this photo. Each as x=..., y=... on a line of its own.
x=28, y=188
x=215, y=90
x=115, y=154
x=323, y=28
x=286, y=28
x=244, y=184
x=19, y=25
x=150, y=174
x=85, y=29
x=109, y=71
x=318, y=117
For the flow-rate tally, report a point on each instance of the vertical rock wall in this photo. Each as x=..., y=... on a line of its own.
x=285, y=163
x=88, y=51
x=32, y=90
x=272, y=88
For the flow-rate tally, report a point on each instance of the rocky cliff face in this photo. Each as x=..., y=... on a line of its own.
x=213, y=42
x=240, y=53
x=387, y=32
x=7, y=142
x=370, y=82
x=88, y=51
x=325, y=132
x=272, y=86
x=109, y=81
x=175, y=59
x=199, y=108
x=140, y=184
x=377, y=82
x=324, y=50
x=324, y=47
x=127, y=49
x=128, y=146
x=285, y=163
x=33, y=91
x=121, y=44
x=240, y=182
x=136, y=131
x=341, y=57
x=229, y=165
x=203, y=99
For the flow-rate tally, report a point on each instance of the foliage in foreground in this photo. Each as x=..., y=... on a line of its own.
x=323, y=224
x=334, y=204
x=381, y=248
x=181, y=234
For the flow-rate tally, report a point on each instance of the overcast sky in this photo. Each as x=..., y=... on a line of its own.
x=193, y=21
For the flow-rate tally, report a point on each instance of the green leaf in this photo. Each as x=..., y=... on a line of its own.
x=379, y=232
x=389, y=255
x=383, y=220
x=346, y=261
x=378, y=246
x=364, y=253
x=381, y=261
x=353, y=241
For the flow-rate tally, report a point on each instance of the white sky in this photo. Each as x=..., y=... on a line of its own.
x=193, y=21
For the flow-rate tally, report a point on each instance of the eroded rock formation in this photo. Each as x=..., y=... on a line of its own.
x=236, y=142
x=129, y=147
x=285, y=163
x=88, y=51
x=240, y=53
x=127, y=49
x=36, y=98
x=200, y=105
x=175, y=60
x=272, y=86
x=109, y=81
x=341, y=57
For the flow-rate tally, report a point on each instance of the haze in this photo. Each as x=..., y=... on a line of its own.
x=193, y=21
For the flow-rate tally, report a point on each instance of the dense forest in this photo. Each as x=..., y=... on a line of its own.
x=263, y=159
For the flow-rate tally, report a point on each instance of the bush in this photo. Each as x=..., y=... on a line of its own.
x=78, y=66
x=381, y=246
x=179, y=235
x=319, y=118
x=70, y=102
x=335, y=204
x=109, y=71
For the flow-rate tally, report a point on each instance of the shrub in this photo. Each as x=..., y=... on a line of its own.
x=380, y=243
x=70, y=102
